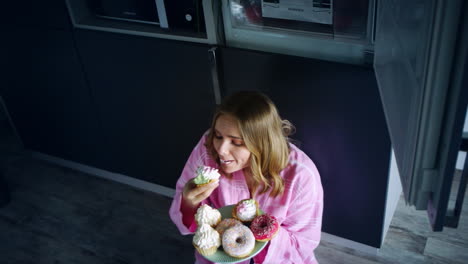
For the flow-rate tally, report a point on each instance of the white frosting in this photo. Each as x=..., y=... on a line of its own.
x=246, y=210
x=207, y=215
x=208, y=173
x=206, y=237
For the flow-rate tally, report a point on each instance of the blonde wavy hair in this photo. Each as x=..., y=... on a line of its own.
x=264, y=133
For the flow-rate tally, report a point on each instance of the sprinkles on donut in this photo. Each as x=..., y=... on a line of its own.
x=238, y=241
x=225, y=224
x=264, y=227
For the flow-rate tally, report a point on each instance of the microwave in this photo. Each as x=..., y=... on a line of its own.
x=185, y=15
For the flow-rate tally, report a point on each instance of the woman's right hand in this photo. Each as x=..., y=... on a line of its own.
x=192, y=195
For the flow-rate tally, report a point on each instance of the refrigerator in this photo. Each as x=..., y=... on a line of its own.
x=421, y=69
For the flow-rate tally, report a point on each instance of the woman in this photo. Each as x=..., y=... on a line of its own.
x=248, y=143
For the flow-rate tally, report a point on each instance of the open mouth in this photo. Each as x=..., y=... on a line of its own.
x=225, y=162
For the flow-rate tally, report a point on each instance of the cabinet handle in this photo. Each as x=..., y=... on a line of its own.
x=214, y=74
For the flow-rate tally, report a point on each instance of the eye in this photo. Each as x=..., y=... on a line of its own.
x=218, y=136
x=237, y=143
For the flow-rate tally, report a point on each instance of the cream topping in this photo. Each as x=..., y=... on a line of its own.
x=207, y=215
x=206, y=237
x=206, y=174
x=246, y=210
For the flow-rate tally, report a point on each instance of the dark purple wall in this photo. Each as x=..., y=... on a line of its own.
x=340, y=123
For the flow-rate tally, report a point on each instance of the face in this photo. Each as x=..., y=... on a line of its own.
x=229, y=145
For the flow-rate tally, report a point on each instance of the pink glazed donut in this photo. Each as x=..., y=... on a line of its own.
x=238, y=241
x=264, y=227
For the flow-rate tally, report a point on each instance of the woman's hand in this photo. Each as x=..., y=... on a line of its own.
x=193, y=195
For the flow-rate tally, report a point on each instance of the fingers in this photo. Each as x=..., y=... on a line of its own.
x=205, y=191
x=208, y=187
x=194, y=195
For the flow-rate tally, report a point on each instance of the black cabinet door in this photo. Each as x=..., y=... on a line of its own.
x=51, y=14
x=340, y=124
x=45, y=93
x=154, y=98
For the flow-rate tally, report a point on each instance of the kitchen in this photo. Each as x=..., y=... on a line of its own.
x=93, y=94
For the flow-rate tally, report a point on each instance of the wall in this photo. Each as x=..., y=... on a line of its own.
x=340, y=124
x=394, y=191
x=461, y=154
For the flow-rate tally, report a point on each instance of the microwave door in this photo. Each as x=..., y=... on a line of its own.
x=161, y=8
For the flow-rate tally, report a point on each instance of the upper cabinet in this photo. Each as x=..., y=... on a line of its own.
x=332, y=30
x=154, y=98
x=185, y=20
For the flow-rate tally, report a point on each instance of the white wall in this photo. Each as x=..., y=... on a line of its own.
x=461, y=154
x=393, y=195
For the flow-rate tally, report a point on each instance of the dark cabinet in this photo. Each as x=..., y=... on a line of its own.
x=340, y=124
x=138, y=105
x=46, y=95
x=154, y=97
x=52, y=14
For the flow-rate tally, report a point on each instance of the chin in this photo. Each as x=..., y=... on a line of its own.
x=231, y=170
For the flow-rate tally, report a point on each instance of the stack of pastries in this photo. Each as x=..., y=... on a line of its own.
x=233, y=234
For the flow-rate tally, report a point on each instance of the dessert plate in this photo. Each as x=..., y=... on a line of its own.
x=220, y=256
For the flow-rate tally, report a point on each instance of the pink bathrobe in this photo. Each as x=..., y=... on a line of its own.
x=298, y=210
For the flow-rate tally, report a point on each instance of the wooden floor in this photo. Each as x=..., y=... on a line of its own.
x=58, y=215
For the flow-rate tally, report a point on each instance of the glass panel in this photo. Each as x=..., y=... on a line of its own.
x=325, y=18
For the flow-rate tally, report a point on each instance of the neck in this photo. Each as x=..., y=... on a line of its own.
x=250, y=182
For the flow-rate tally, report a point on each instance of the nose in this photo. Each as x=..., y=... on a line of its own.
x=224, y=148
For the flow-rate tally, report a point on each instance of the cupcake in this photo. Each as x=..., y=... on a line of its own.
x=225, y=224
x=207, y=215
x=246, y=210
x=206, y=240
x=205, y=175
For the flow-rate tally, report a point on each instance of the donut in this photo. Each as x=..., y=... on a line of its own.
x=238, y=241
x=225, y=224
x=264, y=227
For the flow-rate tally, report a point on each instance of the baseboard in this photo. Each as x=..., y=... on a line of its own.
x=343, y=242
x=159, y=189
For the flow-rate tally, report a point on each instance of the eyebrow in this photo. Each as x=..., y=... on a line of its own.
x=216, y=130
